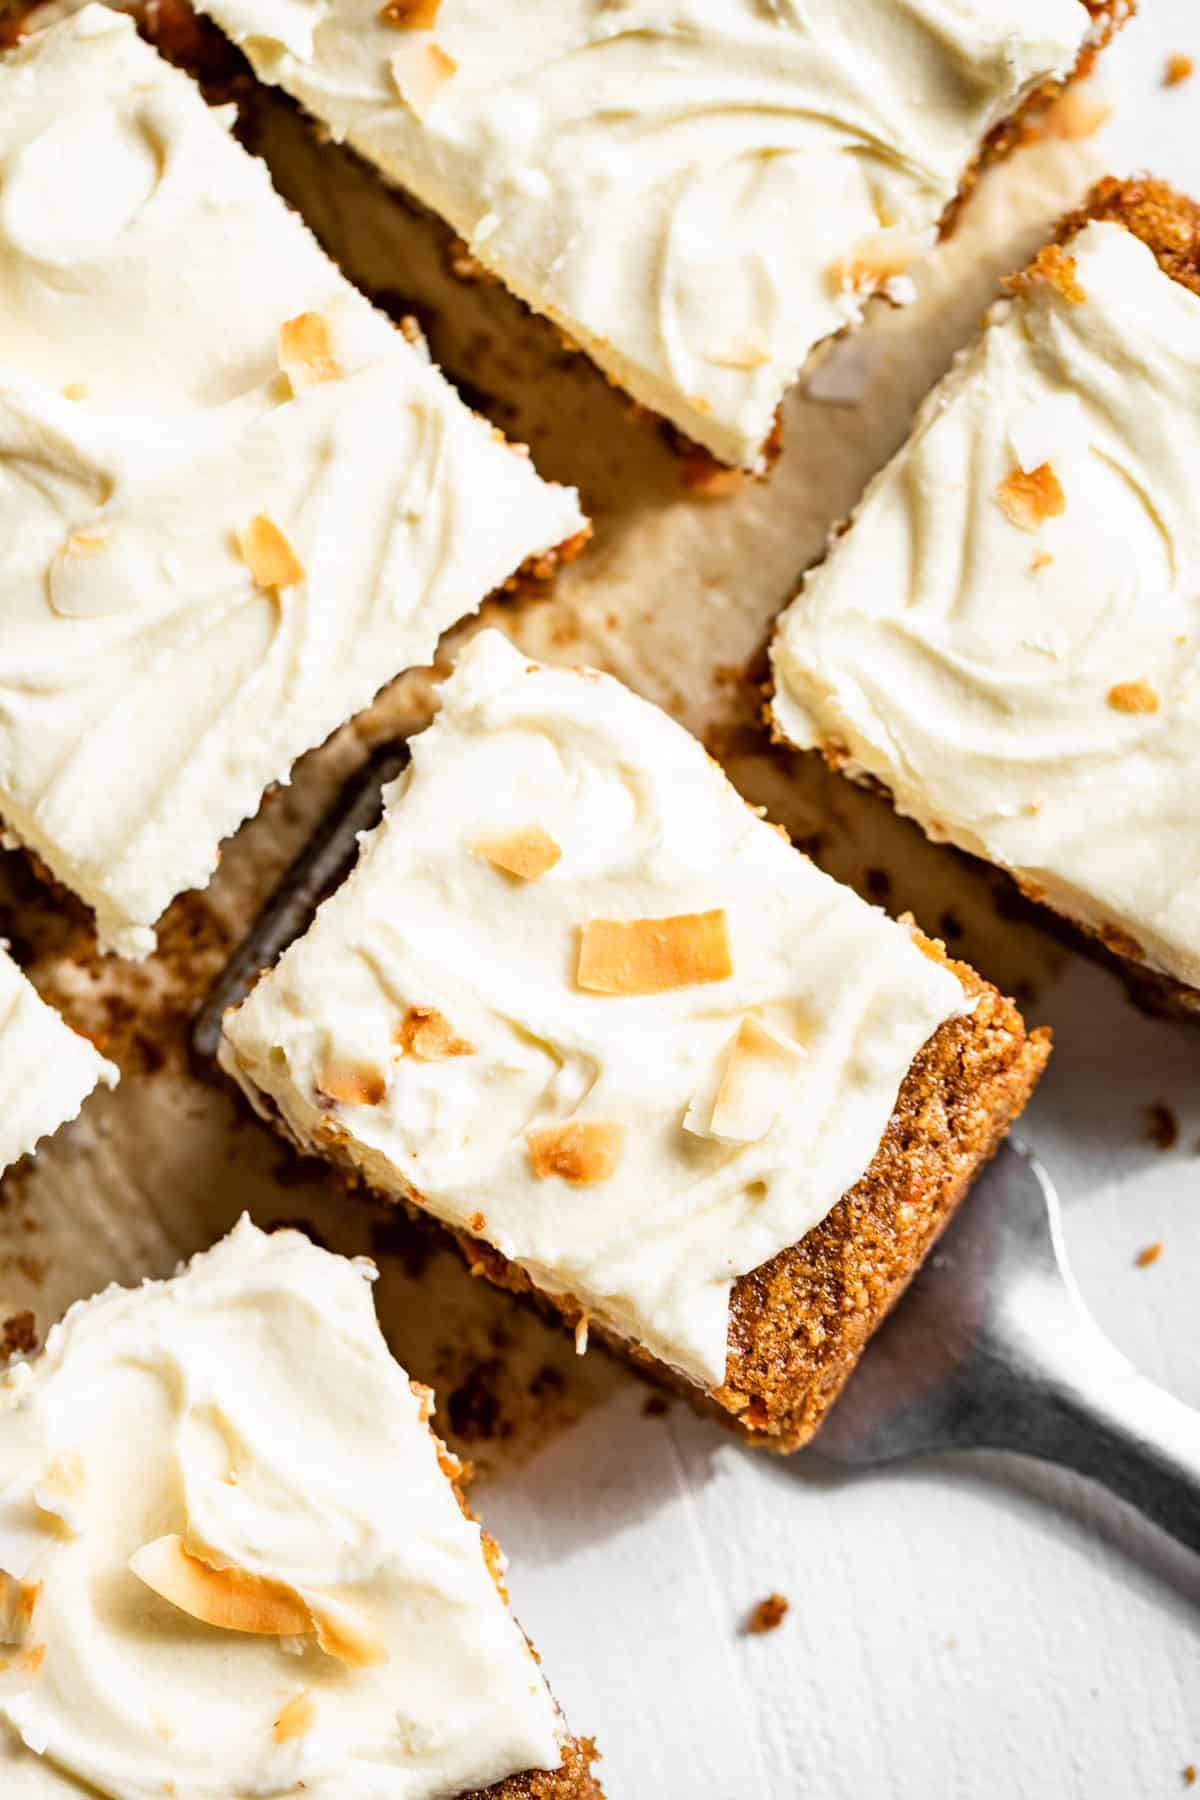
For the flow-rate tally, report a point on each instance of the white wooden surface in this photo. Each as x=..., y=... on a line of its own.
x=970, y=1629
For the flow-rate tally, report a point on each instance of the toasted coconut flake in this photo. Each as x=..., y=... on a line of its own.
x=342, y=1633
x=268, y=555
x=352, y=1084
x=410, y=15
x=297, y=1717
x=1052, y=265
x=305, y=351
x=229, y=1599
x=583, y=1151
x=527, y=854
x=232, y=1599
x=651, y=956
x=421, y=73
x=1028, y=499
x=1133, y=697
x=756, y=1076
x=426, y=1034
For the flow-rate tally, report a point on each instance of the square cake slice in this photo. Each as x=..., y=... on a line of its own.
x=696, y=191
x=234, y=500
x=47, y=1070
x=585, y=1007
x=1007, y=637
x=235, y=1560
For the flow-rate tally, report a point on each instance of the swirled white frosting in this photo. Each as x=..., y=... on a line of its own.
x=149, y=688
x=683, y=185
x=1032, y=695
x=47, y=1070
x=251, y=1406
x=646, y=827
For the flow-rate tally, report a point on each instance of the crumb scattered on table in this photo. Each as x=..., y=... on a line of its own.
x=1189, y=1775
x=17, y=1336
x=1162, y=1127
x=1149, y=1255
x=768, y=1615
x=1178, y=68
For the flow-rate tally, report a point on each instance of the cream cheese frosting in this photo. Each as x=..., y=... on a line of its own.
x=698, y=191
x=47, y=1070
x=160, y=663
x=1017, y=660
x=245, y=1423
x=584, y=1003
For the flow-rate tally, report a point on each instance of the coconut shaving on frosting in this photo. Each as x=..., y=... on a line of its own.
x=233, y=499
x=652, y=1063
x=231, y=1563
x=698, y=191
x=1007, y=635
x=47, y=1070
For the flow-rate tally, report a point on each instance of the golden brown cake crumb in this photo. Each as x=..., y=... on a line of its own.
x=17, y=1336
x=1133, y=697
x=1027, y=500
x=268, y=555
x=427, y=1034
x=1162, y=1127
x=583, y=1151
x=305, y=351
x=1150, y=1255
x=410, y=15
x=1053, y=265
x=768, y=1615
x=1189, y=1775
x=1178, y=68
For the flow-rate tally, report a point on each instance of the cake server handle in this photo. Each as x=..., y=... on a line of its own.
x=993, y=1348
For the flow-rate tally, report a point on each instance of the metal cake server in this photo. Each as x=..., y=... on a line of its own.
x=992, y=1348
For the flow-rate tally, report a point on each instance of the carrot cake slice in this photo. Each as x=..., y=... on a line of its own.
x=696, y=191
x=234, y=500
x=1007, y=637
x=47, y=1070
x=234, y=1559
x=584, y=1006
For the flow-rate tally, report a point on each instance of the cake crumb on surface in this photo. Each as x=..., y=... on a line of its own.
x=768, y=1615
x=1189, y=1775
x=1028, y=498
x=1162, y=1127
x=1051, y=264
x=1178, y=69
x=17, y=1336
x=1133, y=697
x=1145, y=1258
